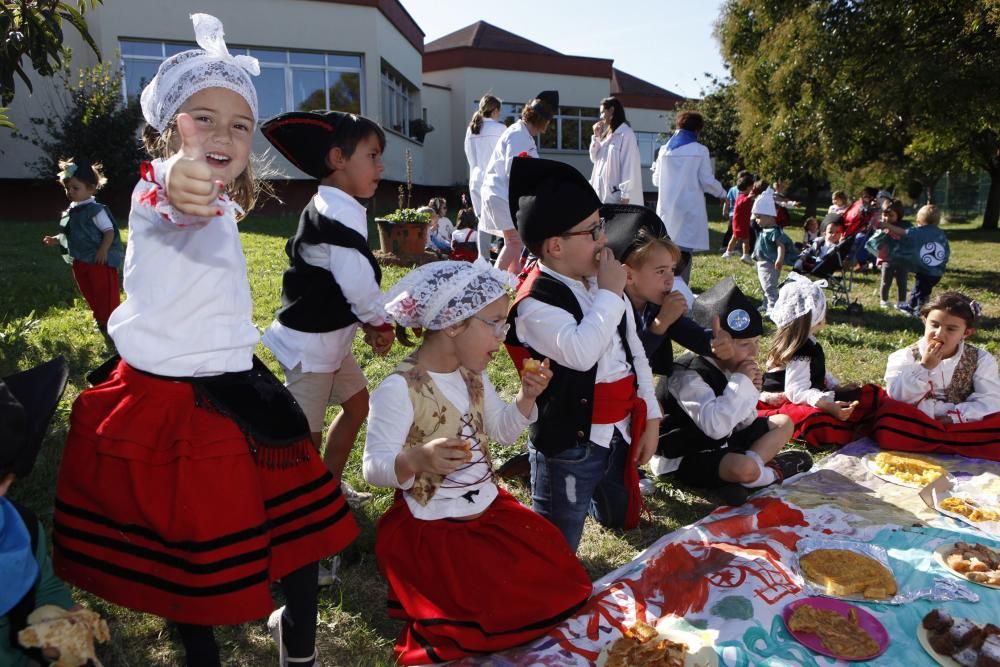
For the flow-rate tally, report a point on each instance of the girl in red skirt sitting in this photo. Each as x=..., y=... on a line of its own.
x=189, y=482
x=469, y=568
x=944, y=392
x=797, y=383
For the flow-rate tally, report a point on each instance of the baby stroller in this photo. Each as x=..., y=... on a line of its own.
x=836, y=269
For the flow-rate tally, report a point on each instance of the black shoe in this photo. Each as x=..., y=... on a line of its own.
x=732, y=494
x=790, y=463
x=517, y=467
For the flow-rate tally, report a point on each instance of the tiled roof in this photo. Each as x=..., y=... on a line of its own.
x=624, y=84
x=482, y=35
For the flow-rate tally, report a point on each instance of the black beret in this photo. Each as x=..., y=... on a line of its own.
x=548, y=197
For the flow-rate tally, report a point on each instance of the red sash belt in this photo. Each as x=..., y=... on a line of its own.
x=613, y=401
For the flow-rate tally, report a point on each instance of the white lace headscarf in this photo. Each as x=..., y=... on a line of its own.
x=212, y=66
x=799, y=296
x=441, y=294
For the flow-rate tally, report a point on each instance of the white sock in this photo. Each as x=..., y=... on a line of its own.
x=766, y=475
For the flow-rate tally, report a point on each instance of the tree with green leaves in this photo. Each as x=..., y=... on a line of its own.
x=842, y=84
x=33, y=29
x=721, y=132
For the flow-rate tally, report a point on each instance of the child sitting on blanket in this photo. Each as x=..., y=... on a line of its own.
x=710, y=426
x=945, y=393
x=447, y=545
x=797, y=383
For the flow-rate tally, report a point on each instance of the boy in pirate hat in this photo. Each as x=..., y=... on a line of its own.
x=331, y=286
x=592, y=427
x=711, y=434
x=27, y=402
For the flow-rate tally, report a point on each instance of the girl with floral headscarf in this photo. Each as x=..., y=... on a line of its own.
x=189, y=482
x=797, y=383
x=447, y=545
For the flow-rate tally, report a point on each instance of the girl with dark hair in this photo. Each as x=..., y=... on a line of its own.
x=517, y=140
x=617, y=174
x=946, y=392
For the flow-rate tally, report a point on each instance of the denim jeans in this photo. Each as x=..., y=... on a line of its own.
x=582, y=480
x=923, y=283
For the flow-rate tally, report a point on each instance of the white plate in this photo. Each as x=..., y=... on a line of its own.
x=943, y=660
x=943, y=550
x=700, y=653
x=869, y=461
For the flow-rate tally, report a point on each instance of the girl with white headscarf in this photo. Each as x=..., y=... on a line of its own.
x=446, y=545
x=189, y=483
x=796, y=382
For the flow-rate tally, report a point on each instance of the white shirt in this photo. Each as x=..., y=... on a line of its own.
x=683, y=176
x=907, y=380
x=102, y=220
x=187, y=310
x=389, y=420
x=479, y=149
x=554, y=333
x=617, y=170
x=515, y=140
x=798, y=382
x=324, y=352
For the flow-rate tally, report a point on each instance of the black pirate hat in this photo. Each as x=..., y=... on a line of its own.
x=737, y=314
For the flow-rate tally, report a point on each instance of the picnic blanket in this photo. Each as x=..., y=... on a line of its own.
x=730, y=574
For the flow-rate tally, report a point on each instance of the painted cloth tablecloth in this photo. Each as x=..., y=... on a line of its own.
x=732, y=572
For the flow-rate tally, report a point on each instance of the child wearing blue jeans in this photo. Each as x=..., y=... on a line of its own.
x=598, y=418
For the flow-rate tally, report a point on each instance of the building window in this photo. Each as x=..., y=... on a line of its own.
x=398, y=102
x=649, y=146
x=288, y=81
x=570, y=130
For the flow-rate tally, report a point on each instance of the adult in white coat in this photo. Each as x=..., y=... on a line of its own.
x=517, y=140
x=683, y=175
x=617, y=174
x=481, y=138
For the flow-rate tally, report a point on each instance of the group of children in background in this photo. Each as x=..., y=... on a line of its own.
x=192, y=478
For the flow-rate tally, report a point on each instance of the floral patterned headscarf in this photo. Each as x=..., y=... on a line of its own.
x=441, y=294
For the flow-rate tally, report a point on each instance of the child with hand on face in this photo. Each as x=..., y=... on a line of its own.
x=447, y=545
x=711, y=434
x=945, y=391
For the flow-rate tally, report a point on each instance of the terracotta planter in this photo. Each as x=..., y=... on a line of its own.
x=406, y=239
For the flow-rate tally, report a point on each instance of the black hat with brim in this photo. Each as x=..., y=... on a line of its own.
x=304, y=138
x=548, y=197
x=737, y=314
x=625, y=224
x=27, y=402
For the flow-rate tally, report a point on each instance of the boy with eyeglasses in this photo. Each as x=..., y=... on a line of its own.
x=598, y=417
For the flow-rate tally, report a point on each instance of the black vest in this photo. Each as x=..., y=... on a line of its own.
x=775, y=380
x=679, y=434
x=311, y=300
x=565, y=408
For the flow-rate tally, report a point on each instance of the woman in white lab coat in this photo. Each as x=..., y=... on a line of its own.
x=481, y=138
x=683, y=175
x=516, y=140
x=617, y=175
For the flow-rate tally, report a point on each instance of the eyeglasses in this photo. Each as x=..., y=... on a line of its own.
x=594, y=232
x=500, y=327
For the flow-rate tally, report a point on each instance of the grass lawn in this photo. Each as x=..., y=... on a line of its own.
x=42, y=314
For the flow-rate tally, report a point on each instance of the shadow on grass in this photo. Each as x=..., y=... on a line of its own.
x=971, y=278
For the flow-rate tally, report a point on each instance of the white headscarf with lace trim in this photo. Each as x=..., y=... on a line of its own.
x=441, y=294
x=184, y=74
x=798, y=296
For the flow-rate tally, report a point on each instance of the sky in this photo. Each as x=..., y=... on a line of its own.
x=666, y=42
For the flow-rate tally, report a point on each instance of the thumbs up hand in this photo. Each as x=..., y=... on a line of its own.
x=190, y=184
x=722, y=342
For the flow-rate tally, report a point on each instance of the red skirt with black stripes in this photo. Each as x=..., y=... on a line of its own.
x=475, y=587
x=821, y=429
x=901, y=426
x=162, y=508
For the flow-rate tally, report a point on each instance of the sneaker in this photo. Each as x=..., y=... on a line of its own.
x=732, y=494
x=517, y=467
x=902, y=304
x=885, y=304
x=647, y=487
x=661, y=466
x=356, y=499
x=790, y=463
x=274, y=626
x=728, y=255
x=746, y=260
x=904, y=308
x=328, y=575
